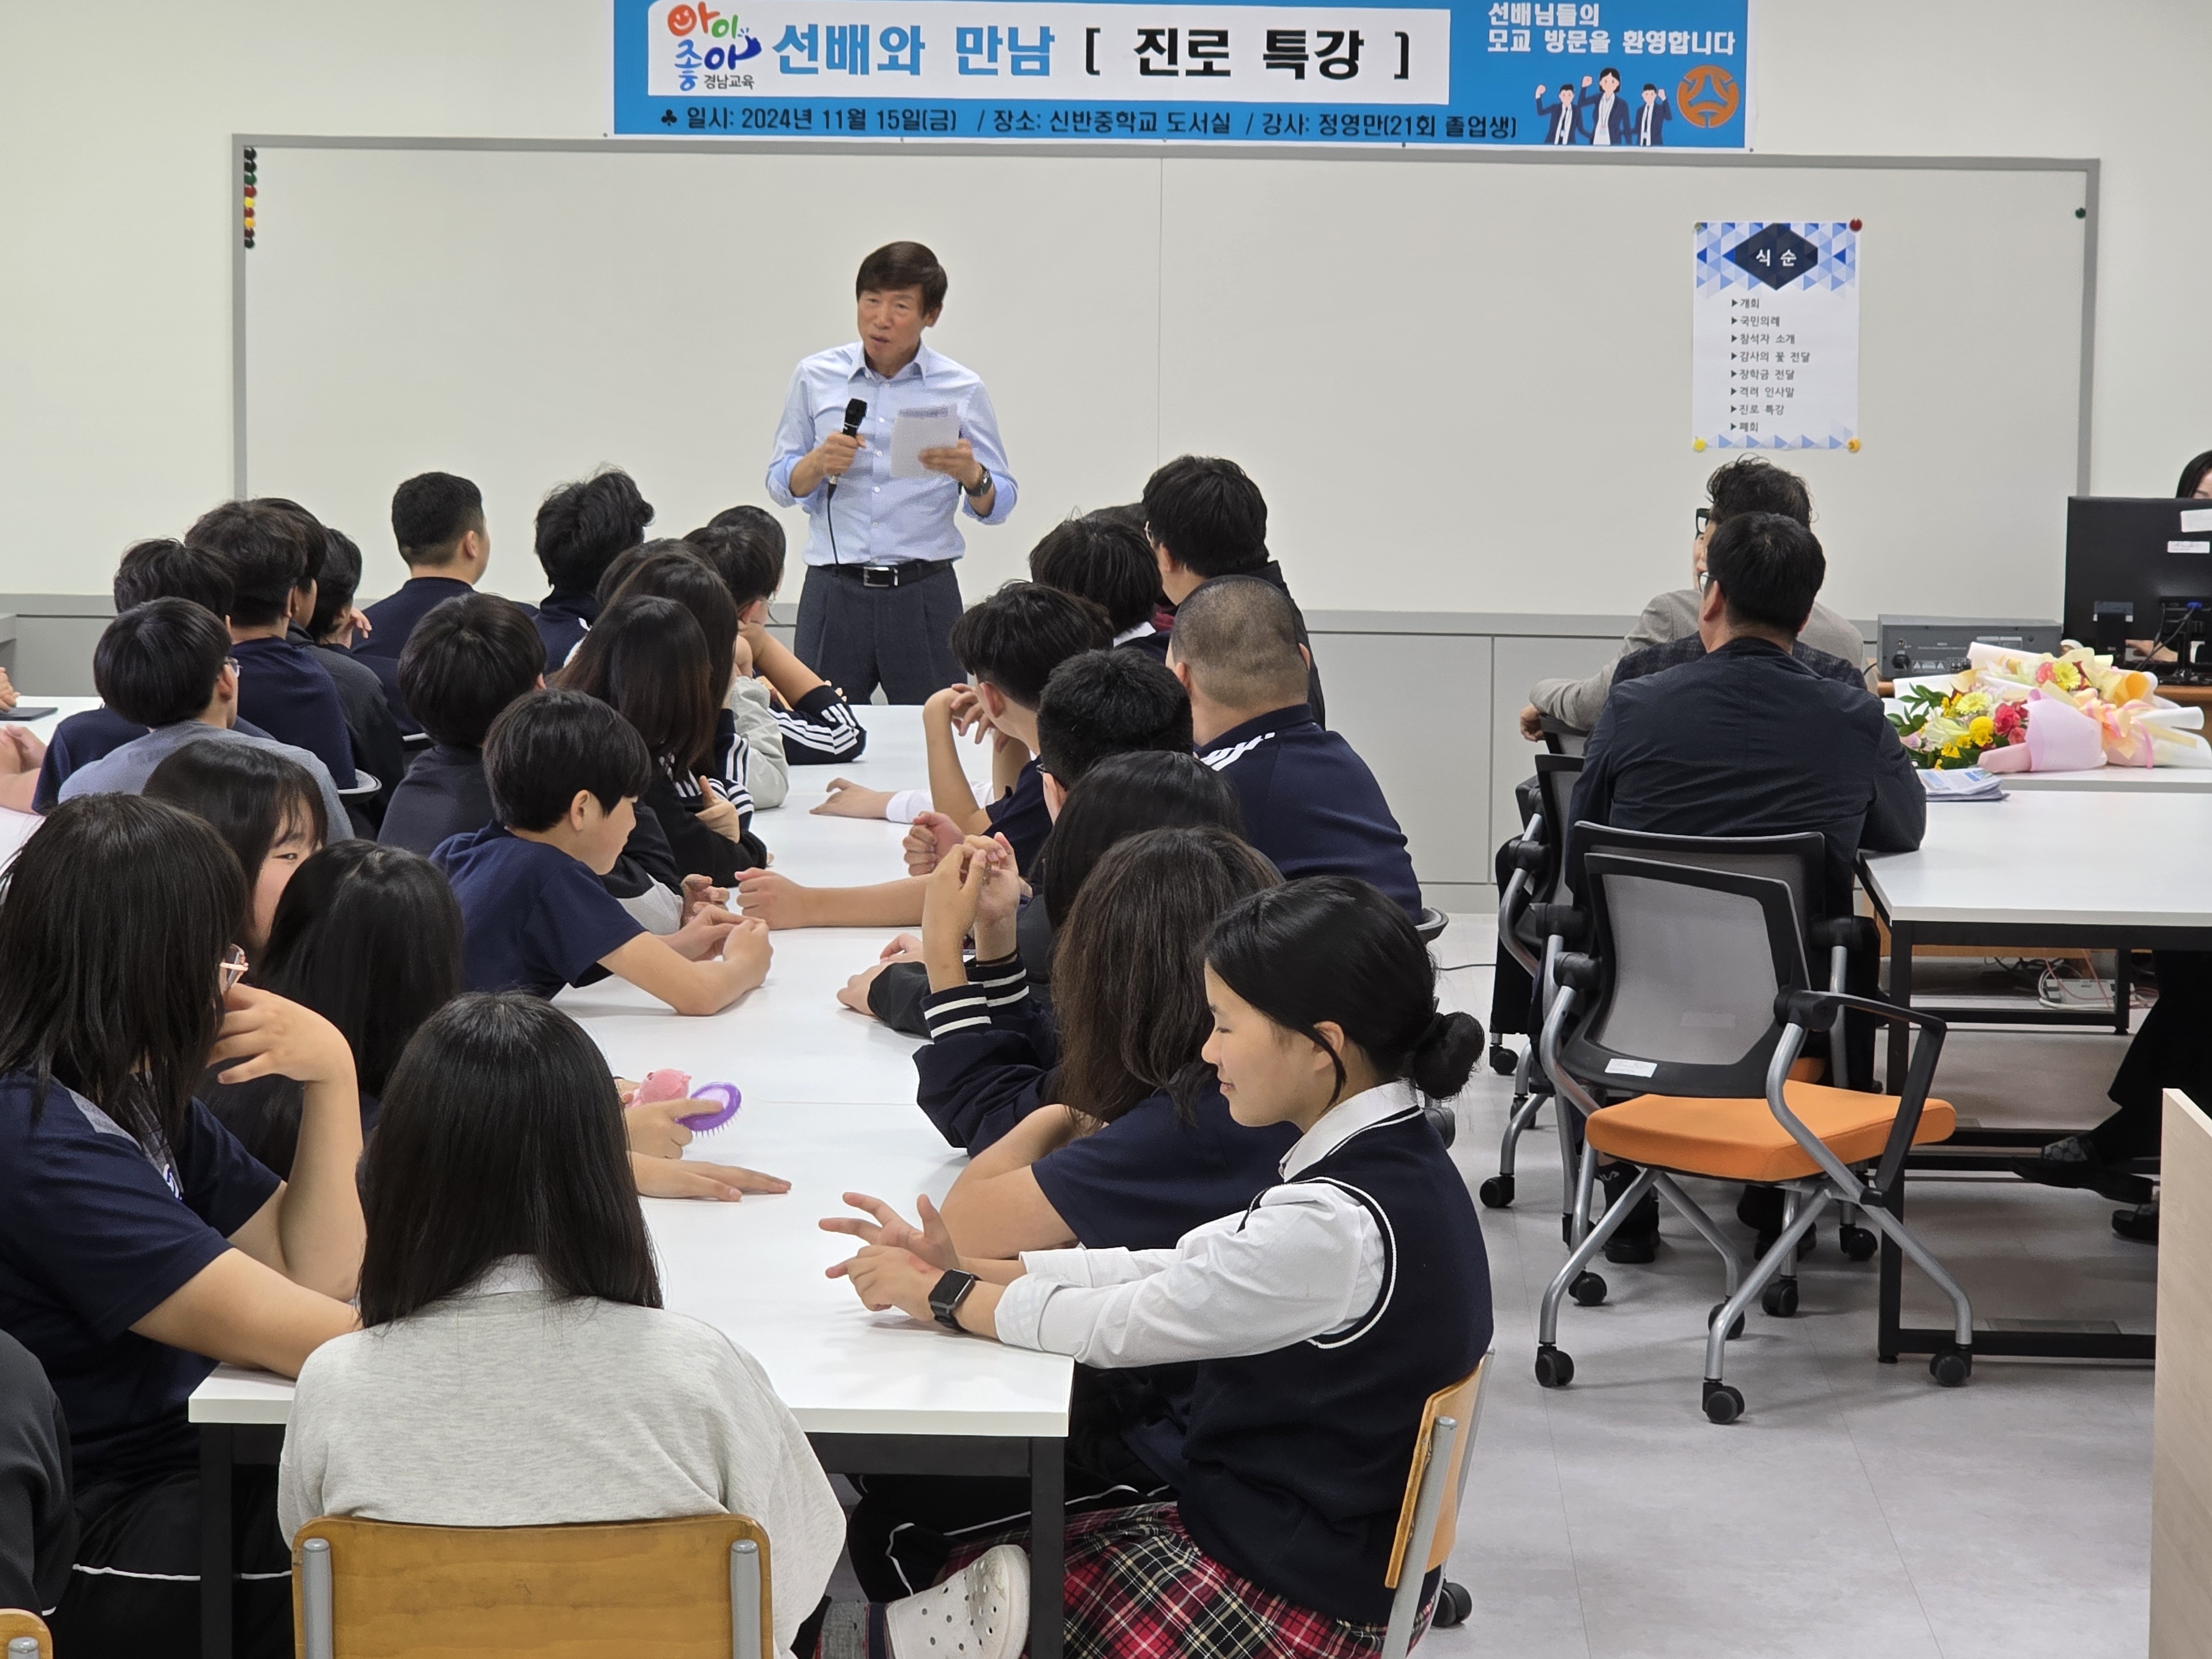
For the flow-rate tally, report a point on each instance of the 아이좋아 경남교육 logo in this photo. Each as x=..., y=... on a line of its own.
x=699, y=49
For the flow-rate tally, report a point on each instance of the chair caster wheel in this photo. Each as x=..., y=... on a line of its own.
x=1723, y=1403
x=1587, y=1289
x=1779, y=1300
x=1951, y=1367
x=1496, y=1193
x=1502, y=1059
x=1859, y=1243
x=1554, y=1368
x=1714, y=1312
x=1454, y=1604
x=1443, y=1121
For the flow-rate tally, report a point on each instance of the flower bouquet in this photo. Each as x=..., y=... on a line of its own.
x=2013, y=711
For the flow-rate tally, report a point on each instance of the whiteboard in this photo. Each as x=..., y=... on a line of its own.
x=1462, y=381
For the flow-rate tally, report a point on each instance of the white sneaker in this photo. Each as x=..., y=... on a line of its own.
x=983, y=1613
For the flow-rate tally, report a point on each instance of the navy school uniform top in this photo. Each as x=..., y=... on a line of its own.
x=283, y=688
x=533, y=919
x=1021, y=816
x=392, y=618
x=1312, y=804
x=93, y=734
x=564, y=617
x=102, y=1232
x=443, y=794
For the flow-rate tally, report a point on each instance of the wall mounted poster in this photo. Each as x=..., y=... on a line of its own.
x=1775, y=351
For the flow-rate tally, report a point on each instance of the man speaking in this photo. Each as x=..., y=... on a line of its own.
x=880, y=595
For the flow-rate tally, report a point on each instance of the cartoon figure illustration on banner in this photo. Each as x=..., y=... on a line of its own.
x=1651, y=120
x=1563, y=128
x=1608, y=112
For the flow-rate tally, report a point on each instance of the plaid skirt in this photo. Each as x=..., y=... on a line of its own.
x=1138, y=1586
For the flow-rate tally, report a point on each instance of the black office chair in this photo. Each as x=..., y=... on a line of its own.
x=1561, y=739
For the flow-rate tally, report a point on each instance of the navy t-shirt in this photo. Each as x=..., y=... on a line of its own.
x=1147, y=1178
x=99, y=1233
x=1021, y=816
x=533, y=918
x=283, y=688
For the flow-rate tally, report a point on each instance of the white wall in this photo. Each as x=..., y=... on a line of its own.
x=117, y=190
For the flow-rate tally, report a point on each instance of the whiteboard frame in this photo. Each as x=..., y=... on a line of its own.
x=2090, y=168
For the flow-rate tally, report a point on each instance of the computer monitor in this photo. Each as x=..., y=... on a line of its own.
x=2138, y=568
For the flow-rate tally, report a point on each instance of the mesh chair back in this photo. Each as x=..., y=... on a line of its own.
x=1691, y=962
x=1556, y=775
x=1798, y=861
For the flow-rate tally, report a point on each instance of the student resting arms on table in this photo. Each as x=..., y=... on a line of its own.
x=144, y=1244
x=566, y=772
x=1009, y=644
x=1321, y=1319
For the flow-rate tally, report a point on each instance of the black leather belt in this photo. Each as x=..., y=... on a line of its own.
x=891, y=575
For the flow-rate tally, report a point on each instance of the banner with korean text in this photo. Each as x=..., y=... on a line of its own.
x=1618, y=74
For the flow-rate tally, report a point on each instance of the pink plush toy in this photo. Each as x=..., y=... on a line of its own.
x=669, y=1083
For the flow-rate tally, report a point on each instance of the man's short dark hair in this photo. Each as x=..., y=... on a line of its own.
x=337, y=579
x=1209, y=516
x=158, y=663
x=1648, y=87
x=1018, y=635
x=165, y=569
x=466, y=660
x=1102, y=560
x=1240, y=641
x=745, y=552
x=1108, y=702
x=1769, y=568
x=896, y=266
x=1752, y=483
x=430, y=513
x=581, y=526
x=549, y=744
x=276, y=546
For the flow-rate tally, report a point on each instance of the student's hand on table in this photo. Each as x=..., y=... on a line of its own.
x=701, y=889
x=853, y=994
x=886, y=1278
x=668, y=1177
x=931, y=1243
x=8, y=693
x=775, y=898
x=1532, y=722
x=276, y=1038
x=931, y=836
x=717, y=813
x=20, y=751
x=652, y=1129
x=848, y=800
x=747, y=945
x=705, y=931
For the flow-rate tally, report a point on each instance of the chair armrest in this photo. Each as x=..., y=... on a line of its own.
x=1527, y=853
x=1852, y=932
x=1807, y=1008
x=1562, y=921
x=1804, y=1009
x=1578, y=972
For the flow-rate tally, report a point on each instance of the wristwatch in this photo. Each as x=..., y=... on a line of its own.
x=976, y=491
x=950, y=1292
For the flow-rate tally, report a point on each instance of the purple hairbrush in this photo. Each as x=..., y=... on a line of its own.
x=701, y=1122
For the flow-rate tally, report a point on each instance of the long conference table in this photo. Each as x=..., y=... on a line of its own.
x=829, y=1104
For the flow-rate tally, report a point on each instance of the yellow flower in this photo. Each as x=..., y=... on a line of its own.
x=1982, y=732
x=1974, y=702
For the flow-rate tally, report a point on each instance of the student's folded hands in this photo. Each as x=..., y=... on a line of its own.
x=931, y=838
x=975, y=889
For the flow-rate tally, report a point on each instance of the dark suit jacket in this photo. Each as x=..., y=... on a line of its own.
x=1748, y=741
x=1658, y=659
x=1661, y=112
x=1555, y=119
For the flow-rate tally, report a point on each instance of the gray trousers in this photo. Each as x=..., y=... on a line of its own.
x=857, y=637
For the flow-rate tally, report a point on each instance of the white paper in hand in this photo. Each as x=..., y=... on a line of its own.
x=926, y=426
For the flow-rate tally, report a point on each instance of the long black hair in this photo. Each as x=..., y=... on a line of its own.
x=649, y=659
x=1335, y=948
x=253, y=798
x=502, y=1135
x=2193, y=474
x=112, y=933
x=1124, y=795
x=680, y=571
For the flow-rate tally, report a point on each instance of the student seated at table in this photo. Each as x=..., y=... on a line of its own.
x=1746, y=739
x=144, y=1244
x=378, y=747
x=466, y=659
x=1320, y=1320
x=648, y=659
x=1103, y=558
x=438, y=525
x=1205, y=518
x=1829, y=644
x=515, y=1366
x=150, y=570
x=580, y=527
x=167, y=665
x=566, y=772
x=1309, y=802
x=276, y=546
x=789, y=714
x=266, y=809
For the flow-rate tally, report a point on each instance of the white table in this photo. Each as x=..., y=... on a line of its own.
x=829, y=1104
x=2127, y=780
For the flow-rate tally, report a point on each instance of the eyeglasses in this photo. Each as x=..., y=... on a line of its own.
x=1704, y=519
x=232, y=969
x=1704, y=581
x=231, y=663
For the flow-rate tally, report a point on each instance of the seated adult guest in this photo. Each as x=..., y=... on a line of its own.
x=438, y=525
x=378, y=746
x=464, y=662
x=1205, y=518
x=581, y=527
x=1310, y=803
x=1747, y=740
x=1750, y=484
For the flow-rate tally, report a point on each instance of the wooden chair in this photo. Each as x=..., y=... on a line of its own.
x=693, y=1589
x=18, y=1627
x=1428, y=1519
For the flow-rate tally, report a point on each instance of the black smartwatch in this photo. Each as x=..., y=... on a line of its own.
x=977, y=491
x=950, y=1292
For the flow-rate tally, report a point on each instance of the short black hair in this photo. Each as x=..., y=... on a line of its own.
x=1208, y=514
x=158, y=662
x=337, y=579
x=165, y=569
x=902, y=264
x=1104, y=560
x=276, y=546
x=430, y=513
x=250, y=796
x=469, y=657
x=1752, y=483
x=547, y=745
x=1108, y=702
x=1122, y=796
x=1239, y=637
x=745, y=545
x=1769, y=568
x=1018, y=637
x=581, y=526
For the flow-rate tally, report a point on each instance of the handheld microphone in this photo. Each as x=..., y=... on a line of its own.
x=855, y=412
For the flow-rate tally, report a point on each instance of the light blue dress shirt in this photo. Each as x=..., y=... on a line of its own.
x=880, y=519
